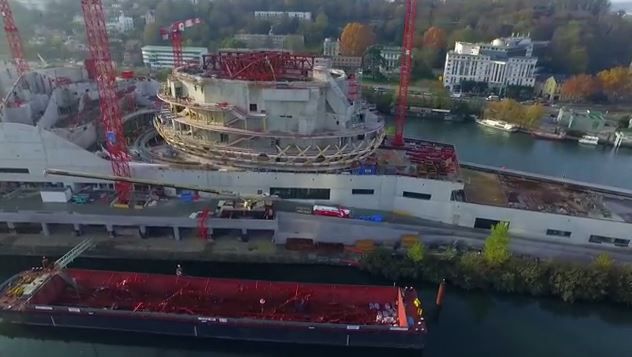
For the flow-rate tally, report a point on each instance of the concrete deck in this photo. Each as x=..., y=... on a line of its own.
x=514, y=189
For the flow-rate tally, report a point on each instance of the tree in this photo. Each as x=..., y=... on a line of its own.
x=463, y=35
x=434, y=38
x=616, y=82
x=507, y=110
x=232, y=43
x=579, y=87
x=603, y=262
x=372, y=62
x=421, y=69
x=496, y=249
x=294, y=43
x=151, y=34
x=355, y=39
x=533, y=114
x=416, y=252
x=568, y=47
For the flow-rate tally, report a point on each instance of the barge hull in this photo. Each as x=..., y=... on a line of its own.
x=228, y=331
x=233, y=309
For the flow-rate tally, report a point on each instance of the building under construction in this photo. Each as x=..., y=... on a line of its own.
x=268, y=111
x=257, y=124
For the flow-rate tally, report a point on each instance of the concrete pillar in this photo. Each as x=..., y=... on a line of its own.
x=11, y=226
x=45, y=229
x=142, y=231
x=110, y=229
x=77, y=229
x=176, y=233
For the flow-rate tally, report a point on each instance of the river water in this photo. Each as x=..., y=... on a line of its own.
x=596, y=164
x=470, y=324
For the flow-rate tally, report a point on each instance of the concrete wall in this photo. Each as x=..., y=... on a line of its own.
x=51, y=114
x=75, y=74
x=299, y=107
x=529, y=224
x=83, y=136
x=21, y=114
x=25, y=146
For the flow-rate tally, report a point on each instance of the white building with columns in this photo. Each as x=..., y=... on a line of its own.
x=503, y=62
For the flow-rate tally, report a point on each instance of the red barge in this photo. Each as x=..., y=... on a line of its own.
x=285, y=312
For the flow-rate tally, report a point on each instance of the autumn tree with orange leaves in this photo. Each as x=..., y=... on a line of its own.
x=580, y=87
x=355, y=39
x=616, y=82
x=434, y=38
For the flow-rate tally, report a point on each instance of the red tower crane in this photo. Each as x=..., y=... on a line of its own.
x=406, y=62
x=174, y=33
x=13, y=37
x=98, y=45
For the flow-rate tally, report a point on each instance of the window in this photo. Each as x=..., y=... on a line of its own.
x=253, y=107
x=419, y=196
x=361, y=191
x=12, y=170
x=485, y=223
x=609, y=240
x=555, y=232
x=301, y=193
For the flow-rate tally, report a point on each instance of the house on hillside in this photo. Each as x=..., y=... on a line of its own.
x=390, y=59
x=552, y=88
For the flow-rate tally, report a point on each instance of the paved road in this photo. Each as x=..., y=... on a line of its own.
x=292, y=224
x=436, y=233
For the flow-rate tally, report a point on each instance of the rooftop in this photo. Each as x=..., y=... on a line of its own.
x=514, y=191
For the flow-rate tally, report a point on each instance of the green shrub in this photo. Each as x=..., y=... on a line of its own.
x=496, y=250
x=569, y=281
x=416, y=252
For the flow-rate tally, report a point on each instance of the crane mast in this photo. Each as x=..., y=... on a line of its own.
x=13, y=37
x=406, y=61
x=98, y=45
x=174, y=33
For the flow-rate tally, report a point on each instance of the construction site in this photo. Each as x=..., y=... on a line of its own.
x=525, y=193
x=248, y=127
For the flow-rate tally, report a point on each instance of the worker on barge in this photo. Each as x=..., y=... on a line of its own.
x=45, y=263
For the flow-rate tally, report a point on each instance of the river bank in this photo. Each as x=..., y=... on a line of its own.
x=564, y=276
x=601, y=280
x=227, y=249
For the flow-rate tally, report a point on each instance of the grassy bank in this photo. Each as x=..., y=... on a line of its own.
x=602, y=280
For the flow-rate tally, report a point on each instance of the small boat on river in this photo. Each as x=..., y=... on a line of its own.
x=498, y=124
x=539, y=134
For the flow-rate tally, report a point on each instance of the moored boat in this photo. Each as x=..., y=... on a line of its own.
x=549, y=136
x=498, y=124
x=589, y=140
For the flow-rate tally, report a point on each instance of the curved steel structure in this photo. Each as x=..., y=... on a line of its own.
x=302, y=125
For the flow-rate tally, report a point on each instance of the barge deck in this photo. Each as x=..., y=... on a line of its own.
x=285, y=312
